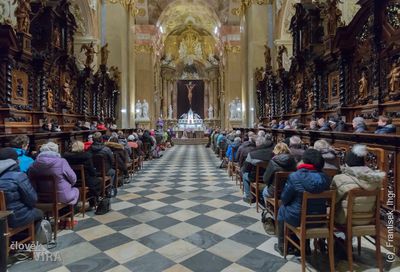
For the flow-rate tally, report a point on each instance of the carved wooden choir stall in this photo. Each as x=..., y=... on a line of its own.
x=40, y=83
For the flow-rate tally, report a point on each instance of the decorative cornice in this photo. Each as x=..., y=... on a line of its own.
x=143, y=48
x=245, y=4
x=130, y=6
x=235, y=49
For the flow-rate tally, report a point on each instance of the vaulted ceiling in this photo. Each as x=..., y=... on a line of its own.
x=182, y=9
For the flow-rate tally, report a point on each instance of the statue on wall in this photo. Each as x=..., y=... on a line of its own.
x=394, y=79
x=145, y=109
x=310, y=100
x=138, y=109
x=259, y=74
x=104, y=54
x=67, y=95
x=22, y=12
x=363, y=86
x=238, y=108
x=267, y=57
x=297, y=95
x=115, y=74
x=333, y=15
x=210, y=112
x=170, y=111
x=50, y=99
x=89, y=53
x=190, y=88
x=279, y=59
x=232, y=109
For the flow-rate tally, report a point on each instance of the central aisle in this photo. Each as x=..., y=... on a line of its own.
x=181, y=213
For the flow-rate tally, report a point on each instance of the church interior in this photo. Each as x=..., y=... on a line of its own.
x=199, y=135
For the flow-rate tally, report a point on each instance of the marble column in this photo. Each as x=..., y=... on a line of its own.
x=175, y=99
x=206, y=96
x=164, y=100
x=169, y=95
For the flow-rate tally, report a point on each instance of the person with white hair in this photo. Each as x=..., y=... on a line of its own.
x=231, y=153
x=296, y=148
x=328, y=153
x=261, y=133
x=263, y=152
x=359, y=125
x=49, y=162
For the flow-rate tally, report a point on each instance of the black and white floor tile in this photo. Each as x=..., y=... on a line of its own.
x=181, y=213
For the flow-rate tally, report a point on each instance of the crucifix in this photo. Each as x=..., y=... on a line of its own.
x=190, y=88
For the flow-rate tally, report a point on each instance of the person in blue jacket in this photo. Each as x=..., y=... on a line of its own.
x=233, y=148
x=20, y=196
x=308, y=178
x=385, y=126
x=21, y=144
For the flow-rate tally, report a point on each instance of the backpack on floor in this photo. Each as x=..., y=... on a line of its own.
x=104, y=206
x=44, y=234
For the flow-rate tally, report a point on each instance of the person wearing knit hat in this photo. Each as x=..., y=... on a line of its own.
x=355, y=174
x=19, y=193
x=8, y=153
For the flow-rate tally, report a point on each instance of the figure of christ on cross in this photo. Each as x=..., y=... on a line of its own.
x=190, y=88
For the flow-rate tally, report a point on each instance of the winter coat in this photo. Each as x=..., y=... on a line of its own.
x=262, y=153
x=86, y=159
x=24, y=161
x=281, y=162
x=276, y=126
x=302, y=180
x=120, y=154
x=351, y=178
x=389, y=128
x=19, y=193
x=361, y=128
x=329, y=156
x=101, y=149
x=340, y=126
x=297, y=151
x=232, y=148
x=50, y=163
x=325, y=127
x=244, y=150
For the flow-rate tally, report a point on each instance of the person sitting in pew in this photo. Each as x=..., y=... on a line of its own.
x=359, y=125
x=355, y=174
x=274, y=124
x=121, y=154
x=308, y=178
x=323, y=125
x=328, y=153
x=98, y=147
x=79, y=156
x=281, y=161
x=385, y=126
x=296, y=148
x=49, y=162
x=20, y=143
x=20, y=196
x=263, y=152
x=246, y=148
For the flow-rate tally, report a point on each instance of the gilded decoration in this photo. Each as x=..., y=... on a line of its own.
x=245, y=4
x=143, y=48
x=130, y=6
x=19, y=87
x=235, y=49
x=189, y=45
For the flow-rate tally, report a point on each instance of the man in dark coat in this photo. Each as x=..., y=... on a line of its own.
x=308, y=178
x=20, y=196
x=245, y=149
x=263, y=152
x=98, y=148
x=296, y=148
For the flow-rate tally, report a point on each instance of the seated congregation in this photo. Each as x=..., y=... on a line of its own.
x=53, y=186
x=306, y=192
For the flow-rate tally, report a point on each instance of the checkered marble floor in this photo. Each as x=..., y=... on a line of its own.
x=181, y=213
